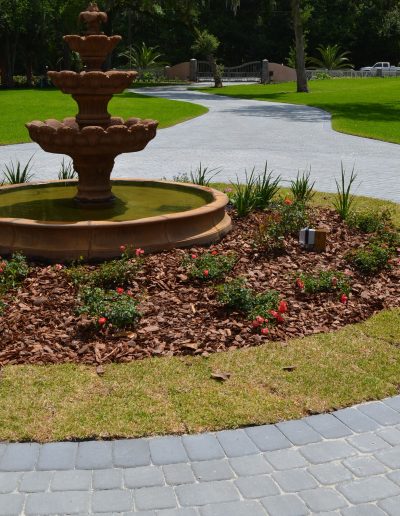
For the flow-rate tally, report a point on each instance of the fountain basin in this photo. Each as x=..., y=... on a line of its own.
x=42, y=221
x=92, y=49
x=92, y=83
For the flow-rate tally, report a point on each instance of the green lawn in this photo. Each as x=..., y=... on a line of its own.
x=176, y=395
x=20, y=106
x=364, y=107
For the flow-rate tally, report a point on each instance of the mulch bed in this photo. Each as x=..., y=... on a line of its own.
x=181, y=316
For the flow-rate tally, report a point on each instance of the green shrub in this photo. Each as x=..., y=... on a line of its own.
x=302, y=188
x=372, y=221
x=324, y=281
x=209, y=265
x=13, y=271
x=371, y=259
x=235, y=295
x=118, y=310
x=387, y=237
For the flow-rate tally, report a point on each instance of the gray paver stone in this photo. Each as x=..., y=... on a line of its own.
x=395, y=476
x=368, y=442
x=35, y=481
x=19, y=457
x=294, y=480
x=57, y=456
x=356, y=420
x=285, y=459
x=268, y=438
x=323, y=499
x=327, y=451
x=391, y=505
x=328, y=426
x=390, y=458
x=285, y=505
x=245, y=508
x=364, y=466
x=11, y=504
x=330, y=473
x=236, y=443
x=140, y=513
x=154, y=498
x=144, y=476
x=381, y=413
x=176, y=474
x=178, y=512
x=206, y=493
x=129, y=453
x=94, y=455
x=391, y=435
x=9, y=482
x=74, y=480
x=167, y=450
x=257, y=487
x=250, y=465
x=68, y=502
x=368, y=489
x=112, y=500
x=203, y=447
x=210, y=470
x=393, y=403
x=298, y=432
x=107, y=479
x=363, y=510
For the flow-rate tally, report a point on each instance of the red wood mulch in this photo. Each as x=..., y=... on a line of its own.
x=180, y=316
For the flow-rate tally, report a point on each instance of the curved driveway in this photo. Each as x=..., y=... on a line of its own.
x=237, y=134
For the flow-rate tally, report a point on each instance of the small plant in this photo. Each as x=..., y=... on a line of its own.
x=389, y=237
x=371, y=259
x=236, y=295
x=244, y=197
x=180, y=178
x=203, y=175
x=265, y=189
x=344, y=200
x=114, y=308
x=371, y=221
x=209, y=266
x=302, y=188
x=324, y=281
x=13, y=271
x=67, y=171
x=14, y=173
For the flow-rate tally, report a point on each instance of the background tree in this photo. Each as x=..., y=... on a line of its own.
x=206, y=45
x=298, y=16
x=331, y=58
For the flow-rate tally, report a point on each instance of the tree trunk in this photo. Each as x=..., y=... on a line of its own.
x=215, y=72
x=302, y=86
x=7, y=79
x=29, y=71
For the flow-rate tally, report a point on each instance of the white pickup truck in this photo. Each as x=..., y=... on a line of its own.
x=380, y=68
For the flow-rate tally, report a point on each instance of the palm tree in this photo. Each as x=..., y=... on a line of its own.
x=141, y=57
x=331, y=58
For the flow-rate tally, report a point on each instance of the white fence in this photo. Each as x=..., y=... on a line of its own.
x=352, y=74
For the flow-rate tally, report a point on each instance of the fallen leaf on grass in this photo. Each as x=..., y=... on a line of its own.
x=289, y=368
x=220, y=377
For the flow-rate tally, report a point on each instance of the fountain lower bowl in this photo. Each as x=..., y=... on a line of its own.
x=153, y=215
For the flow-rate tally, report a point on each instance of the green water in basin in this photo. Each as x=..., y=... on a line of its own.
x=134, y=200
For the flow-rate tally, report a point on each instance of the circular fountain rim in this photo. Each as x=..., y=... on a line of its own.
x=220, y=200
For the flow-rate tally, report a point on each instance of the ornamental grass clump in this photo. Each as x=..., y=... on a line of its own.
x=302, y=189
x=13, y=272
x=264, y=309
x=209, y=265
x=109, y=308
x=344, y=199
x=323, y=281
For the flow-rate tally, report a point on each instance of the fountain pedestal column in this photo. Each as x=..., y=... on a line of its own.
x=94, y=186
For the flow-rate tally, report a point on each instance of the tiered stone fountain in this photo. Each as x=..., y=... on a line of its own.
x=41, y=220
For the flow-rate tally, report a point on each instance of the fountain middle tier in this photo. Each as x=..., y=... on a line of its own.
x=93, y=149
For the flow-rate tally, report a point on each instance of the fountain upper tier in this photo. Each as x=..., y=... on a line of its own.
x=93, y=49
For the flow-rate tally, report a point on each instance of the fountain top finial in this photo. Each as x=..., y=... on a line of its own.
x=93, y=18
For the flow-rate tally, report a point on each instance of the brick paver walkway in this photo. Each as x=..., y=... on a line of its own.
x=345, y=463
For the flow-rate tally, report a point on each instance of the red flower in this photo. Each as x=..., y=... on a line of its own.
x=264, y=331
x=194, y=256
x=334, y=282
x=276, y=315
x=206, y=272
x=58, y=266
x=288, y=201
x=122, y=248
x=260, y=319
x=214, y=253
x=344, y=299
x=283, y=307
x=102, y=321
x=1, y=271
x=129, y=293
x=300, y=283
x=256, y=323
x=139, y=252
x=119, y=290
